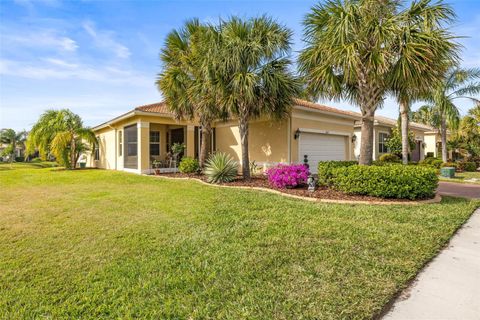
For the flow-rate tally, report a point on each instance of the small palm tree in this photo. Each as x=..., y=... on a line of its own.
x=184, y=80
x=455, y=84
x=361, y=50
x=62, y=133
x=12, y=139
x=253, y=73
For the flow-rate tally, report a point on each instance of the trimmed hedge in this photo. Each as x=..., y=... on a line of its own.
x=325, y=170
x=389, y=157
x=393, y=181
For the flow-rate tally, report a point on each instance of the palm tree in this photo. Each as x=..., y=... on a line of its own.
x=62, y=133
x=455, y=84
x=422, y=36
x=12, y=139
x=361, y=50
x=184, y=82
x=253, y=73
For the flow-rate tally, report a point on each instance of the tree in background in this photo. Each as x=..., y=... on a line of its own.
x=13, y=140
x=185, y=81
x=395, y=142
x=62, y=133
x=361, y=50
x=422, y=36
x=455, y=84
x=253, y=73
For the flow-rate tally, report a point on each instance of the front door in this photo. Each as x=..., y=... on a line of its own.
x=177, y=136
x=416, y=151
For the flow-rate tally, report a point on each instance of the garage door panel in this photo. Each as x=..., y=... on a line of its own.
x=321, y=147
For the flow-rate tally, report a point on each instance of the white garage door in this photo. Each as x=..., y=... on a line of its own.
x=321, y=147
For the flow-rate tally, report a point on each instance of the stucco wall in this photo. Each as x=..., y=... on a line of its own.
x=268, y=140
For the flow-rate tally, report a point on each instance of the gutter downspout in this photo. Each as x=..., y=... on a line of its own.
x=289, y=139
x=116, y=153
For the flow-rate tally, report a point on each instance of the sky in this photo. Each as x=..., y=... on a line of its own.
x=100, y=58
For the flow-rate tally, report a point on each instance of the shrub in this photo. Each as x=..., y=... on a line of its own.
x=36, y=160
x=433, y=162
x=448, y=164
x=188, y=165
x=288, y=176
x=220, y=167
x=325, y=170
x=470, y=166
x=389, y=157
x=394, y=181
x=19, y=159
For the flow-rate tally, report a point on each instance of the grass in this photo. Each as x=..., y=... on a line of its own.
x=103, y=244
x=460, y=177
x=26, y=165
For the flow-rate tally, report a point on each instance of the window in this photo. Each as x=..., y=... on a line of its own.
x=154, y=143
x=120, y=143
x=97, y=150
x=382, y=139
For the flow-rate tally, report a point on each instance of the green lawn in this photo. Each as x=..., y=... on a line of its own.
x=462, y=176
x=102, y=244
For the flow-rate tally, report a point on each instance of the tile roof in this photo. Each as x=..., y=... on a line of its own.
x=159, y=107
x=321, y=107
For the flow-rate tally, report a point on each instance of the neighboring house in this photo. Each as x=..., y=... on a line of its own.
x=382, y=130
x=132, y=141
x=19, y=151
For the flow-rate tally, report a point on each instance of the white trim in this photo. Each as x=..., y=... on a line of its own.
x=316, y=118
x=337, y=133
x=338, y=114
x=143, y=124
x=190, y=128
x=131, y=170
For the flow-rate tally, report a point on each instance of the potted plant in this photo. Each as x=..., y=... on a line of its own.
x=156, y=166
x=177, y=149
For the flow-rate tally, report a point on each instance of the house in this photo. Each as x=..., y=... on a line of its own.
x=19, y=151
x=311, y=132
x=382, y=128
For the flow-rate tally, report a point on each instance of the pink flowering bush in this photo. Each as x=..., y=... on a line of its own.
x=284, y=176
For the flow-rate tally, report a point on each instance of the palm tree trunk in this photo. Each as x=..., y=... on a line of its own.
x=72, y=153
x=366, y=143
x=243, y=128
x=205, y=144
x=404, y=131
x=443, y=133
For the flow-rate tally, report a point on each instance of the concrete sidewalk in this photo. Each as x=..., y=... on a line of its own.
x=448, y=287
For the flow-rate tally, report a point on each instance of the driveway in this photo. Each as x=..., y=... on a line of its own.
x=464, y=190
x=449, y=286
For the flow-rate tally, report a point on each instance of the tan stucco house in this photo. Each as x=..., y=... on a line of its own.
x=381, y=132
x=134, y=140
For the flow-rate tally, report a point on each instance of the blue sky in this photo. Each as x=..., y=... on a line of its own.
x=100, y=58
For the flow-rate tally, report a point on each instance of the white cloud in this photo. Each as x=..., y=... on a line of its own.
x=54, y=68
x=105, y=40
x=48, y=39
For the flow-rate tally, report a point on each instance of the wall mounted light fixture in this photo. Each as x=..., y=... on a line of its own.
x=297, y=134
x=354, y=138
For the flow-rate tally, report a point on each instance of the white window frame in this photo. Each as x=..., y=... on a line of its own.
x=156, y=142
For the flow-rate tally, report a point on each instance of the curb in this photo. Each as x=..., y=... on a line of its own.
x=436, y=199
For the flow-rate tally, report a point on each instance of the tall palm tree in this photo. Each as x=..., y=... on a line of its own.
x=456, y=83
x=253, y=73
x=62, y=133
x=361, y=50
x=12, y=139
x=422, y=36
x=184, y=80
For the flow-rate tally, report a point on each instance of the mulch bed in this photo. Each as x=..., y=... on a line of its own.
x=262, y=182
